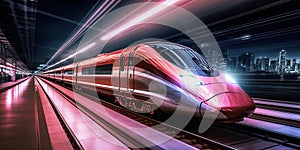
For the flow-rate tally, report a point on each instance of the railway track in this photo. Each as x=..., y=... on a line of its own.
x=275, y=123
x=268, y=135
x=239, y=135
x=242, y=136
x=285, y=106
x=245, y=135
x=192, y=139
x=236, y=136
x=280, y=112
x=278, y=120
x=276, y=113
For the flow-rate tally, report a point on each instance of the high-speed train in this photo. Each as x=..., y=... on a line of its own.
x=158, y=77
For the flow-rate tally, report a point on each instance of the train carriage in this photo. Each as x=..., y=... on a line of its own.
x=160, y=76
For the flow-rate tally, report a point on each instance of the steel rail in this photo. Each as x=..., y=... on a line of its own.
x=190, y=138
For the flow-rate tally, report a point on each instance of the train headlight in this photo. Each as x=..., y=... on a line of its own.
x=229, y=78
x=190, y=80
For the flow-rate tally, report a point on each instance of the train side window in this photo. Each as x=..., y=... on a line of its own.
x=88, y=70
x=104, y=69
x=68, y=72
x=131, y=57
x=130, y=60
x=122, y=63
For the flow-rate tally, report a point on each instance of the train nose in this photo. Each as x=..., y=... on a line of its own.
x=232, y=105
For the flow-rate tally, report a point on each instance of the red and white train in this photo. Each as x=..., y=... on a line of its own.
x=159, y=77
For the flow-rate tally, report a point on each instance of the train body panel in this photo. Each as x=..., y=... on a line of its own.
x=68, y=73
x=58, y=74
x=146, y=76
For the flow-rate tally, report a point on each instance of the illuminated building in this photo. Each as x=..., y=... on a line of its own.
x=273, y=64
x=294, y=64
x=246, y=62
x=282, y=62
x=262, y=64
x=288, y=66
x=232, y=64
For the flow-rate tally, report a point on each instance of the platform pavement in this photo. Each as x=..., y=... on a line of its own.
x=7, y=85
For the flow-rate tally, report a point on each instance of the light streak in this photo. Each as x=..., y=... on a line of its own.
x=100, y=11
x=74, y=54
x=139, y=19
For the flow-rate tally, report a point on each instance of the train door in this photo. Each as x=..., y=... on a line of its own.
x=76, y=73
x=62, y=75
x=122, y=73
x=130, y=72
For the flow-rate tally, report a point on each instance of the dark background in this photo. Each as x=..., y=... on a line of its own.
x=263, y=28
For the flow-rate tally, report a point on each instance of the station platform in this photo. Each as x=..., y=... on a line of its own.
x=28, y=121
x=18, y=115
x=7, y=85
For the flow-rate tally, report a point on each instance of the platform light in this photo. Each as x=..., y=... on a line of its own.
x=139, y=19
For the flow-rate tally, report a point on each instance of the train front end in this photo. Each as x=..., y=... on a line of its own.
x=209, y=89
x=224, y=96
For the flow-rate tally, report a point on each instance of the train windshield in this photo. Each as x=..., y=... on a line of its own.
x=184, y=58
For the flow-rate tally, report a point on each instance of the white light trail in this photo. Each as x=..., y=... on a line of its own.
x=74, y=54
x=102, y=10
x=139, y=19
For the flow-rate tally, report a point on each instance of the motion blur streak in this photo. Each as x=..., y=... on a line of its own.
x=139, y=19
x=95, y=16
x=71, y=56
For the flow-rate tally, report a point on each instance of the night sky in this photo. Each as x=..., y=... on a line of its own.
x=56, y=20
x=272, y=25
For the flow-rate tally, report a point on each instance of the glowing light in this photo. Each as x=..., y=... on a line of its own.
x=190, y=80
x=139, y=19
x=9, y=98
x=6, y=67
x=245, y=37
x=74, y=54
x=229, y=78
x=100, y=11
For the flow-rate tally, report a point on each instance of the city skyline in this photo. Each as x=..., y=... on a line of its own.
x=271, y=52
x=250, y=62
x=272, y=55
